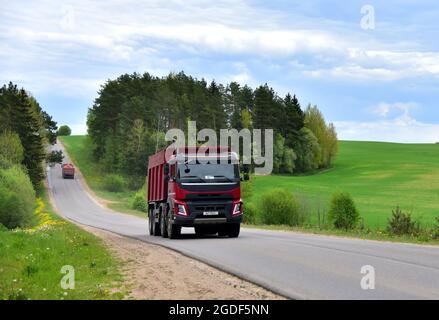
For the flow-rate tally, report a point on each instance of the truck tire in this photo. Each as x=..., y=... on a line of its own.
x=150, y=222
x=233, y=230
x=155, y=226
x=163, y=227
x=174, y=231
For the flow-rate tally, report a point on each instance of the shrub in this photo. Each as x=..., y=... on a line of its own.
x=64, y=131
x=343, y=213
x=250, y=213
x=135, y=183
x=11, y=150
x=279, y=207
x=114, y=183
x=17, y=198
x=246, y=189
x=138, y=202
x=402, y=223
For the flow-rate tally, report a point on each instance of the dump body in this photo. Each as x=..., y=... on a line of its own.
x=68, y=171
x=191, y=189
x=157, y=184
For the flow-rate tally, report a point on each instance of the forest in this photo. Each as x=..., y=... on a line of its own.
x=132, y=113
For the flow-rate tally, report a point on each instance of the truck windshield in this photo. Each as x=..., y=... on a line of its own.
x=207, y=172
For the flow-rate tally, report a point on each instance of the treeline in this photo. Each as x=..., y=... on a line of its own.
x=130, y=116
x=25, y=130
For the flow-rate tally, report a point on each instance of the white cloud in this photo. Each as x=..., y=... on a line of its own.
x=390, y=131
x=114, y=32
x=384, y=109
x=375, y=65
x=402, y=128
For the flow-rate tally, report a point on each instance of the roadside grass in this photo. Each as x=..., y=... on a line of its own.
x=377, y=235
x=79, y=150
x=31, y=262
x=379, y=176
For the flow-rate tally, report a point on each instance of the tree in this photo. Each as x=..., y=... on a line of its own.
x=64, y=131
x=307, y=149
x=283, y=157
x=11, y=150
x=22, y=115
x=265, y=115
x=294, y=119
x=50, y=127
x=325, y=134
x=54, y=157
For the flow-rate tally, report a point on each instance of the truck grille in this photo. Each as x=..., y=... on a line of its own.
x=210, y=208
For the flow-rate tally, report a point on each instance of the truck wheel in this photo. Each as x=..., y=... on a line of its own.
x=163, y=225
x=174, y=231
x=233, y=230
x=150, y=222
x=155, y=226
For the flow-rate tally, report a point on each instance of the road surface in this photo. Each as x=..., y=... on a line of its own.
x=298, y=266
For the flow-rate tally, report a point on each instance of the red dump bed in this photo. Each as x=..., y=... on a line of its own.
x=157, y=186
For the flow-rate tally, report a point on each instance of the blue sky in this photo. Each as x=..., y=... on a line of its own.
x=374, y=84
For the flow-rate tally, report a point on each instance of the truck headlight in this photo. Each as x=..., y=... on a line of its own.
x=181, y=210
x=237, y=208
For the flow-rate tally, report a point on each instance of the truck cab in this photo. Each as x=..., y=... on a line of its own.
x=199, y=191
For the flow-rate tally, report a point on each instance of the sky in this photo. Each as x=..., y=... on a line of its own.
x=372, y=67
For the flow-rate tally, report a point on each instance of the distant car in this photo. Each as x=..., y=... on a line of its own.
x=68, y=171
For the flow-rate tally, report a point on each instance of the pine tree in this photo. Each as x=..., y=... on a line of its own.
x=265, y=114
x=25, y=119
x=294, y=119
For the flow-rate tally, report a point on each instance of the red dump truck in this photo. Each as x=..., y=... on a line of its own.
x=185, y=191
x=68, y=171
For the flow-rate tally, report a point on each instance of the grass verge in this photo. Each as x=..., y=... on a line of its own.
x=31, y=261
x=355, y=234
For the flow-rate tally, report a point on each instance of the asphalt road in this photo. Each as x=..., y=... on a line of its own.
x=292, y=264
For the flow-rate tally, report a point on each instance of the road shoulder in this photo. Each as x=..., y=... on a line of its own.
x=154, y=272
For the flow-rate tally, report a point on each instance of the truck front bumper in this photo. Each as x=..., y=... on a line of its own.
x=196, y=213
x=191, y=222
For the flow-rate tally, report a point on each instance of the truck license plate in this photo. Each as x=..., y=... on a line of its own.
x=210, y=213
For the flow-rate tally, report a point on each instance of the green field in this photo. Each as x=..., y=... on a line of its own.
x=31, y=262
x=379, y=176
